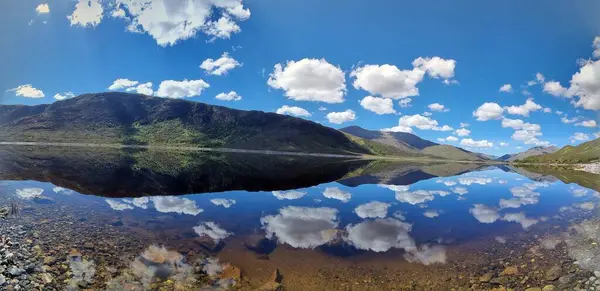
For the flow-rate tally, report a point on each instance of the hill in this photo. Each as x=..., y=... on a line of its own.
x=138, y=119
x=413, y=144
x=583, y=153
x=534, y=151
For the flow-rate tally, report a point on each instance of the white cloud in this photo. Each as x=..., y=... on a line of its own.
x=558, y=112
x=405, y=103
x=223, y=202
x=398, y=128
x=519, y=124
x=547, y=110
x=396, y=188
x=427, y=255
x=523, y=196
x=181, y=89
x=587, y=123
x=212, y=230
x=540, y=78
x=288, y=195
x=506, y=88
x=145, y=89
x=293, y=110
x=596, y=46
x=116, y=205
x=460, y=190
x=555, y=88
x=462, y=131
x=436, y=67
x=387, y=80
x=586, y=85
x=29, y=193
x=310, y=80
x=63, y=96
x=448, y=139
x=119, y=84
x=336, y=193
x=474, y=180
x=566, y=119
x=476, y=143
x=118, y=13
x=322, y=108
x=579, y=136
x=422, y=122
x=488, y=111
x=42, y=8
x=220, y=66
x=431, y=213
x=87, y=13
x=597, y=134
x=302, y=227
x=503, y=144
x=484, y=214
x=341, y=117
x=419, y=196
x=231, y=96
x=438, y=107
x=427, y=113
x=380, y=235
x=464, y=125
x=27, y=91
x=141, y=202
x=169, y=22
x=374, y=209
x=378, y=105
x=524, y=109
x=168, y=204
x=520, y=218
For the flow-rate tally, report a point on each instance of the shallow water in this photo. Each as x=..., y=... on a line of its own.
x=324, y=223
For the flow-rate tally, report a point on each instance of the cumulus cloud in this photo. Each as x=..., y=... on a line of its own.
x=506, y=88
x=42, y=8
x=555, y=88
x=87, y=13
x=341, y=117
x=398, y=128
x=223, y=202
x=503, y=144
x=27, y=91
x=468, y=142
x=460, y=190
x=427, y=255
x=596, y=46
x=372, y=209
x=464, y=125
x=484, y=213
x=170, y=22
x=579, y=136
x=293, y=110
x=524, y=109
x=587, y=123
x=488, y=111
x=448, y=139
x=117, y=205
x=231, y=96
x=474, y=180
x=119, y=84
x=436, y=67
x=220, y=66
x=520, y=218
x=519, y=124
x=181, y=89
x=310, y=80
x=288, y=195
x=566, y=120
x=212, y=230
x=145, y=89
x=380, y=235
x=586, y=85
x=523, y=196
x=418, y=196
x=302, y=227
x=387, y=80
x=462, y=132
x=29, y=193
x=337, y=193
x=63, y=96
x=438, y=107
x=405, y=103
x=431, y=213
x=168, y=204
x=421, y=122
x=378, y=105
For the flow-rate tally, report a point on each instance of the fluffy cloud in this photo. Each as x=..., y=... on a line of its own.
x=27, y=91
x=220, y=66
x=336, y=193
x=431, y=213
x=422, y=122
x=587, y=123
x=474, y=180
x=231, y=96
x=506, y=88
x=374, y=209
x=427, y=255
x=223, y=202
x=419, y=196
x=579, y=136
x=42, y=8
x=380, y=235
x=524, y=109
x=488, y=111
x=586, y=85
x=398, y=128
x=484, y=214
x=503, y=144
x=462, y=132
x=566, y=119
x=547, y=110
x=116, y=205
x=29, y=193
x=520, y=218
x=378, y=105
x=438, y=107
x=448, y=139
x=341, y=117
x=181, y=89
x=169, y=22
x=293, y=110
x=460, y=190
x=476, y=143
x=302, y=227
x=596, y=46
x=119, y=84
x=526, y=132
x=519, y=124
x=168, y=204
x=464, y=125
x=310, y=80
x=87, y=13
x=523, y=196
x=387, y=80
x=63, y=96
x=555, y=88
x=436, y=67
x=405, y=103
x=211, y=230
x=145, y=89
x=288, y=195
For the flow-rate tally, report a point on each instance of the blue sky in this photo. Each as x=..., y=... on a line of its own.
x=332, y=55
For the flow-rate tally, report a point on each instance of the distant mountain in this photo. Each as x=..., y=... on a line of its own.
x=138, y=119
x=534, y=151
x=413, y=144
x=583, y=153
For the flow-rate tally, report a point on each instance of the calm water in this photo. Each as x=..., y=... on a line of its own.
x=152, y=220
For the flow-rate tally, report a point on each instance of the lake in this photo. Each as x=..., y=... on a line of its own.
x=110, y=219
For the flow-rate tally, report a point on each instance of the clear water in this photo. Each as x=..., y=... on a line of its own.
x=325, y=224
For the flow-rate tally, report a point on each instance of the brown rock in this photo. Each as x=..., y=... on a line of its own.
x=487, y=277
x=510, y=271
x=276, y=277
x=231, y=272
x=553, y=273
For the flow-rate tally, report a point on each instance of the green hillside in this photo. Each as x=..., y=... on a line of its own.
x=583, y=153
